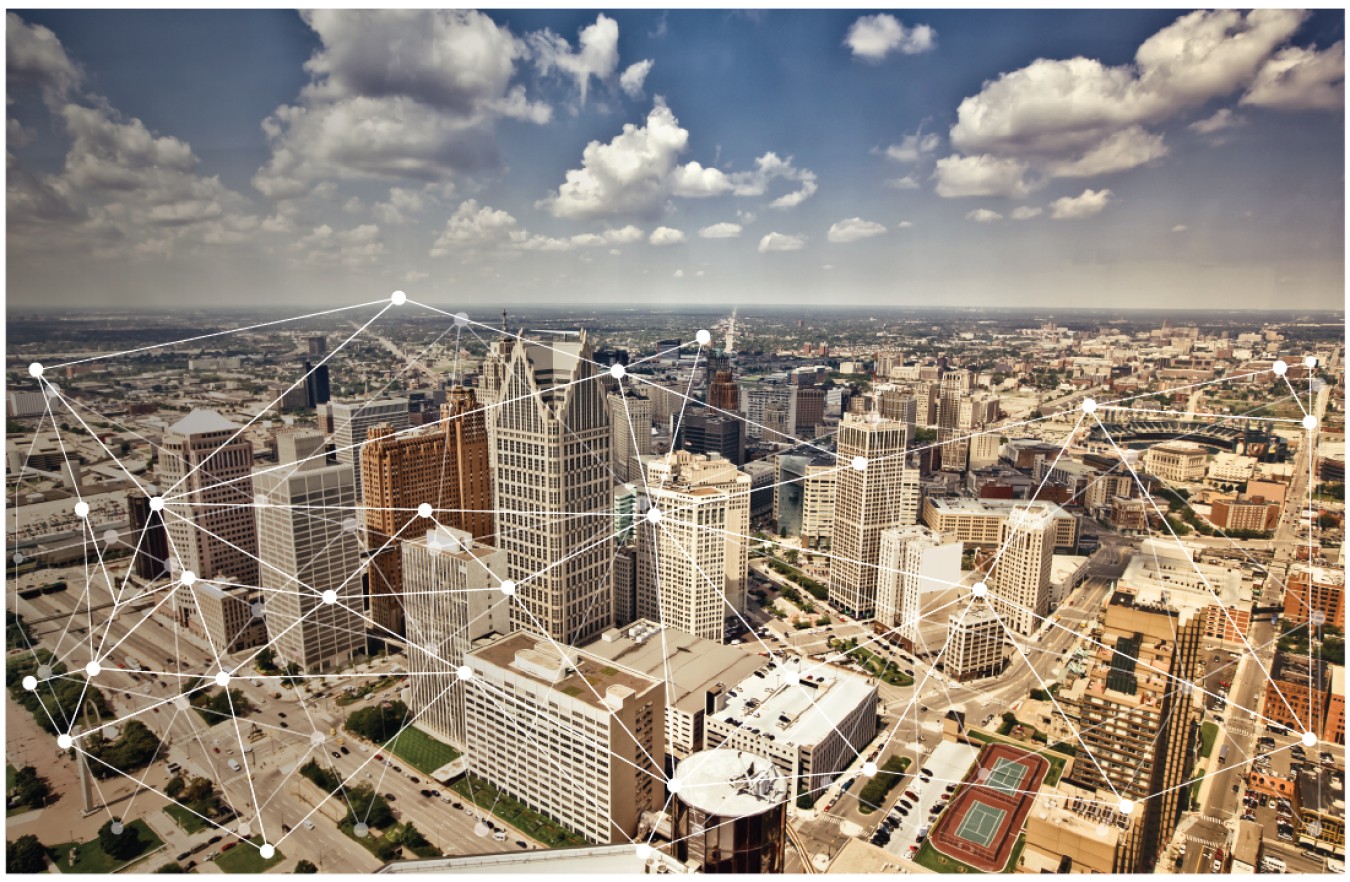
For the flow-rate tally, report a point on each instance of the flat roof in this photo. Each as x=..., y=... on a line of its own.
x=800, y=715
x=584, y=676
x=600, y=859
x=990, y=507
x=730, y=783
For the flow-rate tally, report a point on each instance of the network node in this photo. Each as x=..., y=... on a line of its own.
x=673, y=785
x=117, y=828
x=465, y=672
x=1310, y=361
x=617, y=371
x=156, y=503
x=1126, y=806
x=330, y=596
x=480, y=829
x=64, y=742
x=1310, y=422
x=18, y=558
x=111, y=537
x=424, y=510
x=44, y=671
x=93, y=669
x=979, y=589
x=653, y=515
x=361, y=831
x=260, y=500
x=792, y=678
x=703, y=338
x=869, y=768
x=508, y=587
x=222, y=679
x=461, y=319
x=182, y=703
x=257, y=610
x=35, y=369
x=316, y=738
x=1315, y=829
x=1309, y=739
x=1089, y=405
x=643, y=851
x=267, y=851
x=982, y=774
x=30, y=682
x=350, y=525
x=187, y=577
x=1279, y=368
x=82, y=509
x=1103, y=830
x=398, y=298
x=859, y=463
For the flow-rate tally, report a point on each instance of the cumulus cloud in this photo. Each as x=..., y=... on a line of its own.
x=913, y=147
x=1301, y=79
x=415, y=276
x=35, y=59
x=781, y=242
x=425, y=112
x=1121, y=151
x=679, y=274
x=666, y=236
x=1025, y=212
x=981, y=176
x=1089, y=203
x=358, y=247
x=984, y=216
x=721, y=231
x=623, y=235
x=873, y=37
x=403, y=203
x=598, y=55
x=1222, y=119
x=475, y=231
x=853, y=229
x=632, y=79
x=908, y=182
x=903, y=225
x=1179, y=228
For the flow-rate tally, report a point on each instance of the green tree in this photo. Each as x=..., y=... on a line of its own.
x=266, y=659
x=379, y=724
x=365, y=804
x=174, y=787
x=305, y=867
x=171, y=867
x=120, y=846
x=30, y=788
x=1327, y=521
x=25, y=855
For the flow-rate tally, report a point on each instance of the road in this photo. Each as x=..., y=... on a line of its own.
x=402, y=356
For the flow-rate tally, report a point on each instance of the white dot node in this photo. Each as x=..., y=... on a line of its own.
x=257, y=610
x=461, y=319
x=222, y=679
x=1310, y=361
x=157, y=503
x=398, y=298
x=508, y=588
x=111, y=537
x=1279, y=368
x=1089, y=405
x=617, y=371
x=64, y=742
x=267, y=851
x=1310, y=422
x=673, y=785
x=792, y=678
x=349, y=525
x=93, y=669
x=464, y=672
x=980, y=589
x=703, y=338
x=1126, y=806
x=51, y=392
x=480, y=829
x=654, y=515
x=117, y=828
x=330, y=596
x=260, y=500
x=361, y=831
x=35, y=369
x=316, y=738
x=30, y=682
x=1309, y=739
x=982, y=774
x=424, y=510
x=643, y=851
x=44, y=671
x=18, y=558
x=81, y=509
x=182, y=703
x=869, y=769
x=187, y=577
x=859, y=463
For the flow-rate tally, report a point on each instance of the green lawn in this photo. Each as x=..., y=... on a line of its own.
x=1056, y=761
x=1208, y=732
x=244, y=858
x=934, y=860
x=420, y=750
x=91, y=858
x=517, y=814
x=186, y=819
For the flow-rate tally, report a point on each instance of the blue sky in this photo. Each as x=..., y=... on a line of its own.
x=1133, y=158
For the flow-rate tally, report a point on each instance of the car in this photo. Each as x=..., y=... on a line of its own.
x=425, y=792
x=1236, y=787
x=379, y=757
x=946, y=796
x=906, y=803
x=951, y=788
x=1285, y=837
x=435, y=793
x=336, y=755
x=926, y=771
x=184, y=856
x=904, y=812
x=190, y=865
x=913, y=848
x=414, y=779
x=1216, y=867
x=521, y=844
x=283, y=725
x=227, y=846
x=459, y=805
x=396, y=768
x=213, y=840
x=309, y=825
x=909, y=856
x=344, y=751
x=283, y=716
x=468, y=810
x=216, y=749
x=389, y=796
x=912, y=795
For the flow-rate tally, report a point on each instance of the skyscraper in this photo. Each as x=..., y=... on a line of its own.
x=308, y=543
x=913, y=561
x=631, y=420
x=446, y=467
x=555, y=491
x=149, y=541
x=351, y=420
x=955, y=446
x=1019, y=583
x=723, y=393
x=706, y=432
x=883, y=493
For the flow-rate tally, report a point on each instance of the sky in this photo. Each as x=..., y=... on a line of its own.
x=1128, y=159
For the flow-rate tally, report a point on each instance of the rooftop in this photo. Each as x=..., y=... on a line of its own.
x=800, y=715
x=201, y=421
x=573, y=672
x=990, y=507
x=730, y=783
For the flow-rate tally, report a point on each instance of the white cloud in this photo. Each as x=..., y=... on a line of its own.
x=358, y=247
x=598, y=56
x=1301, y=79
x=827, y=266
x=1179, y=228
x=1222, y=119
x=984, y=216
x=666, y=236
x=475, y=231
x=873, y=37
x=1087, y=204
x=981, y=176
x=781, y=242
x=1025, y=212
x=1124, y=150
x=353, y=205
x=699, y=273
x=767, y=168
x=623, y=235
x=402, y=203
x=795, y=198
x=904, y=225
x=35, y=58
x=853, y=229
x=908, y=182
x=913, y=147
x=632, y=79
x=721, y=231
x=679, y=274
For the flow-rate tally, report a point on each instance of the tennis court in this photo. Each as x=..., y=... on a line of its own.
x=1007, y=775
x=980, y=824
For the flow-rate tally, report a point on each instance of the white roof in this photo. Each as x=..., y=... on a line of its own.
x=201, y=421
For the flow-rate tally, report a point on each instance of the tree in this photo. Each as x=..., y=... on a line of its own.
x=121, y=846
x=25, y=855
x=266, y=659
x=174, y=787
x=293, y=672
x=305, y=867
x=30, y=788
x=378, y=724
x=365, y=804
x=1327, y=521
x=171, y=867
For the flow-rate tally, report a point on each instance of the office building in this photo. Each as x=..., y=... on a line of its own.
x=894, y=403
x=1019, y=583
x=631, y=421
x=979, y=522
x=318, y=346
x=810, y=411
x=954, y=441
x=625, y=584
x=206, y=467
x=553, y=457
x=452, y=598
x=723, y=393
x=804, y=488
x=1297, y=693
x=149, y=540
x=222, y=615
x=1177, y=462
x=730, y=813
x=308, y=545
x=755, y=400
x=913, y=561
x=882, y=494
x=446, y=467
x=1315, y=593
x=351, y=421
x=316, y=389
x=575, y=736
x=1321, y=810
x=705, y=432
x=975, y=643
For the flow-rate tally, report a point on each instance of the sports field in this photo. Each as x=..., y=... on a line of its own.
x=980, y=824
x=1007, y=775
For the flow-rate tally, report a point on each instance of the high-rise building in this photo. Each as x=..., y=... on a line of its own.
x=979, y=522
x=703, y=431
x=777, y=429
x=308, y=543
x=553, y=457
x=755, y=400
x=631, y=420
x=913, y=561
x=578, y=737
x=730, y=813
x=975, y=643
x=446, y=467
x=352, y=419
x=810, y=410
x=625, y=585
x=803, y=504
x=1019, y=583
x=894, y=403
x=149, y=540
x=883, y=493
x=955, y=443
x=318, y=345
x=206, y=465
x=316, y=386
x=723, y=393
x=1314, y=593
x=452, y=597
